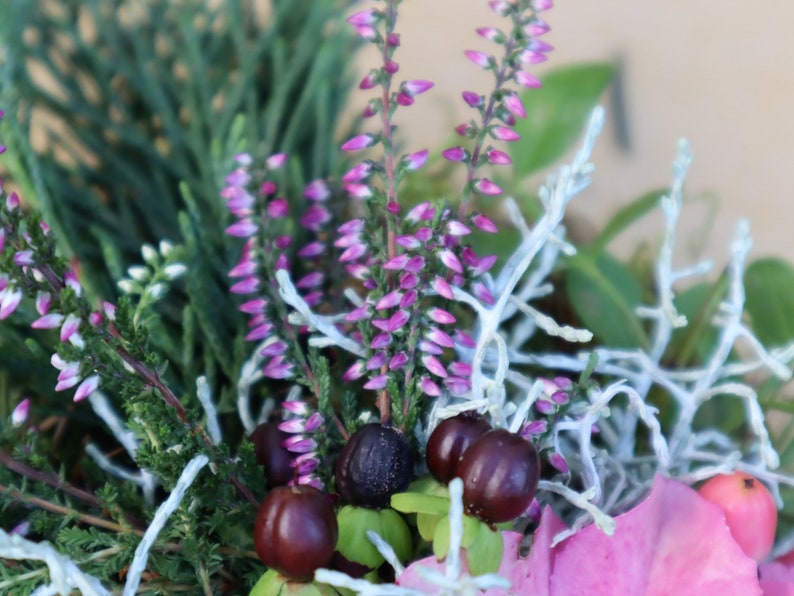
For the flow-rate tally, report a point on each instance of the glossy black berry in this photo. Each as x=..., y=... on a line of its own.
x=450, y=439
x=375, y=464
x=269, y=453
x=500, y=473
x=295, y=531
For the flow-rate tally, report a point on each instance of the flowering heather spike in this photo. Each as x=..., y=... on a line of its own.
x=86, y=388
x=474, y=100
x=503, y=133
x=376, y=383
x=455, y=154
x=527, y=80
x=417, y=160
x=498, y=158
x=481, y=59
x=20, y=413
x=358, y=142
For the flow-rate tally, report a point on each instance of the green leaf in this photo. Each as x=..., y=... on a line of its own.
x=627, y=216
x=426, y=523
x=420, y=503
x=485, y=553
x=557, y=114
x=769, y=284
x=604, y=294
x=441, y=536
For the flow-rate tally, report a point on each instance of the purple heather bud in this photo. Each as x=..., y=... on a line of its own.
x=455, y=154
x=441, y=316
x=49, y=321
x=352, y=253
x=238, y=178
x=358, y=191
x=450, y=260
x=3, y=149
x=457, y=386
x=2, y=230
x=440, y=285
x=390, y=300
x=535, y=427
x=416, y=87
x=282, y=242
x=352, y=226
x=278, y=208
x=260, y=332
x=313, y=422
x=460, y=369
x=465, y=130
x=248, y=285
x=277, y=368
x=110, y=310
x=484, y=265
x=469, y=257
x=12, y=202
x=281, y=262
x=415, y=264
x=407, y=241
x=500, y=7
x=71, y=281
x=498, y=158
x=358, y=142
x=527, y=80
x=299, y=408
x=20, y=413
x=240, y=201
x=43, y=301
x=439, y=337
x=484, y=223
x=403, y=99
x=359, y=271
x=434, y=365
x=354, y=372
x=380, y=341
x=370, y=110
x=275, y=348
x=253, y=307
x=393, y=40
x=558, y=461
x=364, y=17
x=244, y=159
x=86, y=388
x=429, y=387
x=244, y=228
x=560, y=398
x=536, y=27
x=310, y=280
x=67, y=383
x=481, y=59
x=312, y=249
x=391, y=67
x=424, y=234
x=455, y=228
x=484, y=186
x=357, y=314
x=474, y=100
x=514, y=105
x=276, y=161
x=393, y=323
x=369, y=81
x=293, y=426
x=421, y=211
x=268, y=188
x=408, y=281
x=545, y=407
x=10, y=300
x=483, y=293
x=315, y=217
x=317, y=190
x=542, y=5
x=313, y=298
x=563, y=382
x=491, y=34
x=243, y=269
x=538, y=45
x=376, y=383
x=409, y=298
x=398, y=361
x=396, y=263
x=503, y=133
x=379, y=359
x=348, y=240
x=464, y=339
x=428, y=347
x=299, y=444
x=457, y=279
x=24, y=257
x=393, y=207
x=415, y=161
x=358, y=173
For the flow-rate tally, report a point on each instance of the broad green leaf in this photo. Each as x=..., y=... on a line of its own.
x=441, y=536
x=557, y=114
x=627, y=216
x=769, y=284
x=354, y=522
x=426, y=524
x=420, y=503
x=485, y=553
x=605, y=294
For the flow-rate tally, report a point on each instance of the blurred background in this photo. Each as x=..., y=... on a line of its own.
x=710, y=71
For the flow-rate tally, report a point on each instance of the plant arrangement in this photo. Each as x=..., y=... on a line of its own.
x=422, y=395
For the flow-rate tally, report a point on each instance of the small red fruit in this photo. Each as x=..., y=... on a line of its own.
x=450, y=439
x=295, y=531
x=750, y=511
x=277, y=460
x=500, y=472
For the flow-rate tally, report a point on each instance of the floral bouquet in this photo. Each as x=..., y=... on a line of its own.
x=417, y=394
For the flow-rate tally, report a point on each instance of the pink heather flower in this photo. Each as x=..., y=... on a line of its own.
x=352, y=226
x=370, y=109
x=398, y=361
x=450, y=260
x=281, y=262
x=315, y=217
x=293, y=426
x=268, y=188
x=536, y=27
x=391, y=67
x=484, y=223
x=43, y=301
x=514, y=105
x=317, y=190
x=439, y=337
x=484, y=186
x=376, y=383
x=421, y=211
x=310, y=280
x=408, y=281
x=405, y=100
x=390, y=300
x=369, y=81
x=484, y=265
x=409, y=298
x=474, y=100
x=396, y=263
x=110, y=310
x=244, y=228
x=353, y=252
x=277, y=368
x=460, y=369
x=440, y=285
x=278, y=208
x=243, y=269
x=464, y=339
x=434, y=365
x=86, y=388
x=358, y=142
x=393, y=207
x=67, y=383
x=503, y=133
x=358, y=191
x=455, y=154
x=378, y=360
x=348, y=240
x=380, y=341
x=364, y=17
x=429, y=387
x=457, y=386
x=535, y=427
x=49, y=321
x=558, y=461
x=238, y=177
x=481, y=59
x=2, y=230
x=358, y=172
x=240, y=202
x=416, y=87
x=23, y=257
x=530, y=57
x=527, y=80
x=424, y=234
x=538, y=45
x=12, y=202
x=441, y=316
x=299, y=444
x=299, y=408
x=545, y=407
x=20, y=413
x=312, y=249
x=393, y=323
x=417, y=160
x=498, y=158
x=71, y=281
x=356, y=371
x=483, y=293
x=428, y=347
x=490, y=33
x=259, y=332
x=500, y=7
x=244, y=159
x=415, y=264
x=253, y=307
x=542, y=5
x=455, y=228
x=465, y=130
x=276, y=161
x=357, y=314
x=358, y=271
x=408, y=241
x=11, y=299
x=275, y=348
x=248, y=285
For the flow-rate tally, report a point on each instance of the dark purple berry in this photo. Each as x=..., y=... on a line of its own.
x=500, y=472
x=375, y=464
x=269, y=453
x=295, y=531
x=450, y=439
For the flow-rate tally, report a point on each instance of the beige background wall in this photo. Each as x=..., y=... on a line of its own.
x=712, y=71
